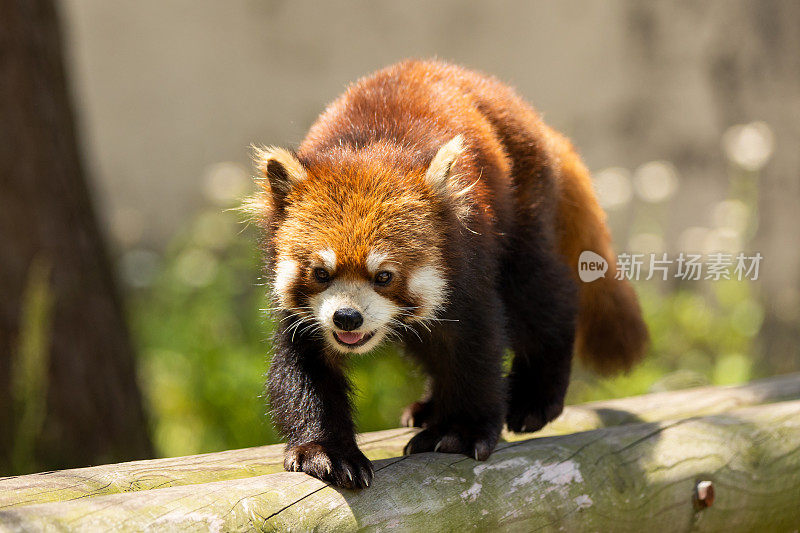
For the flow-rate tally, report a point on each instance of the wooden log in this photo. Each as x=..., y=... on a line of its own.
x=249, y=462
x=627, y=478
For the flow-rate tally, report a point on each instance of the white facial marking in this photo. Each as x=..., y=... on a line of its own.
x=376, y=310
x=286, y=272
x=428, y=284
x=328, y=259
x=374, y=261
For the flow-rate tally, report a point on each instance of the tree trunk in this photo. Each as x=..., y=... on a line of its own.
x=68, y=392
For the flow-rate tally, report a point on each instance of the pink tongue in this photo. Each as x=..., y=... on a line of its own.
x=348, y=337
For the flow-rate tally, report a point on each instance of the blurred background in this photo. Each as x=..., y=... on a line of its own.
x=132, y=322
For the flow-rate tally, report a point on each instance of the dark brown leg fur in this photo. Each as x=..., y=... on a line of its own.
x=467, y=402
x=417, y=414
x=541, y=302
x=310, y=404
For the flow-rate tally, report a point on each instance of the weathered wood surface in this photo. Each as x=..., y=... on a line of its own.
x=251, y=462
x=634, y=477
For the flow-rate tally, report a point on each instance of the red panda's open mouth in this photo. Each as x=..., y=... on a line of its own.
x=352, y=339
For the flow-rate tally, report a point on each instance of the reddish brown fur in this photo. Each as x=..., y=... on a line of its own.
x=507, y=236
x=500, y=128
x=354, y=205
x=611, y=334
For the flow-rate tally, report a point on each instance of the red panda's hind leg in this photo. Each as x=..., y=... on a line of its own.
x=467, y=400
x=541, y=306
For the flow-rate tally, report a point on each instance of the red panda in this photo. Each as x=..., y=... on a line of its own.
x=430, y=205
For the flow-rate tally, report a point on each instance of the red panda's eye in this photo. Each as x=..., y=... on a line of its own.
x=383, y=277
x=321, y=275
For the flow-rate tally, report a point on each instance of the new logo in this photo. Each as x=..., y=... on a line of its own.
x=591, y=266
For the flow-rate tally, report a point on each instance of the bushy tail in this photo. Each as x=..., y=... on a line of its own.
x=611, y=334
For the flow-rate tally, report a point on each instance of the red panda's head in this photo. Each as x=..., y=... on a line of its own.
x=357, y=245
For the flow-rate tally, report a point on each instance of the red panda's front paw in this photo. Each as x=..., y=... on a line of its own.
x=349, y=470
x=478, y=444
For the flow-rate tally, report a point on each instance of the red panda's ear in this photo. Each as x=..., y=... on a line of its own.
x=280, y=171
x=438, y=173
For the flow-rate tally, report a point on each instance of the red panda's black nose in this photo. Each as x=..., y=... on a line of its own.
x=347, y=319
